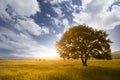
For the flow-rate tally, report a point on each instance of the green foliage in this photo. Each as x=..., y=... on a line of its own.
x=59, y=70
x=82, y=42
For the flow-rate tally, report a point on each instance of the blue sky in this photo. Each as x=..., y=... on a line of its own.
x=30, y=28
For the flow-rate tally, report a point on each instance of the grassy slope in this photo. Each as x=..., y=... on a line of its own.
x=59, y=70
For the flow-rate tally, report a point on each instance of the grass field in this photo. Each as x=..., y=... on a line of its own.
x=59, y=70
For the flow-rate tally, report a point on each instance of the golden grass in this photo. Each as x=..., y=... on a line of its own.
x=59, y=70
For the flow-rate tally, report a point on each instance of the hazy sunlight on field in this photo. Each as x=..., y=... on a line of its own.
x=59, y=70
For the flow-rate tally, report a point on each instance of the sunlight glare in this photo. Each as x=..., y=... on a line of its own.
x=46, y=54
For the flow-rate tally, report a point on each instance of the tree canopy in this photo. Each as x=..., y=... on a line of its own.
x=83, y=42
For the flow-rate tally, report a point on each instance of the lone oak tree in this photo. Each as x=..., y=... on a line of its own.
x=83, y=42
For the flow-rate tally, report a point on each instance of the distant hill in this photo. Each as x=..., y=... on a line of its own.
x=116, y=55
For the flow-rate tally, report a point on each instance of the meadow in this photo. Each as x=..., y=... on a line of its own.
x=59, y=70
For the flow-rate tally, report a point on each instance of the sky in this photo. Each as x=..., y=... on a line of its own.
x=30, y=28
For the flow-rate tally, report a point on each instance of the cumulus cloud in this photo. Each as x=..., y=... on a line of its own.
x=13, y=41
x=9, y=8
x=58, y=11
x=17, y=37
x=21, y=43
x=30, y=26
x=56, y=21
x=19, y=14
x=99, y=14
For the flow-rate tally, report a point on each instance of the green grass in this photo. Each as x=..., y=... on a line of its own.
x=59, y=70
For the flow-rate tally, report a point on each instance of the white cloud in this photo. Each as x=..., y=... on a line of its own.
x=97, y=14
x=65, y=22
x=45, y=30
x=56, y=21
x=20, y=7
x=22, y=10
x=30, y=26
x=18, y=13
x=3, y=13
x=48, y=15
x=57, y=1
x=58, y=11
x=22, y=43
x=13, y=41
x=53, y=31
x=59, y=35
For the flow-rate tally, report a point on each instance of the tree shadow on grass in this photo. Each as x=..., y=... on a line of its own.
x=100, y=73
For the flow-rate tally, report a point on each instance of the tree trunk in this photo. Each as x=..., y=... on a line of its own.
x=84, y=60
x=85, y=64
